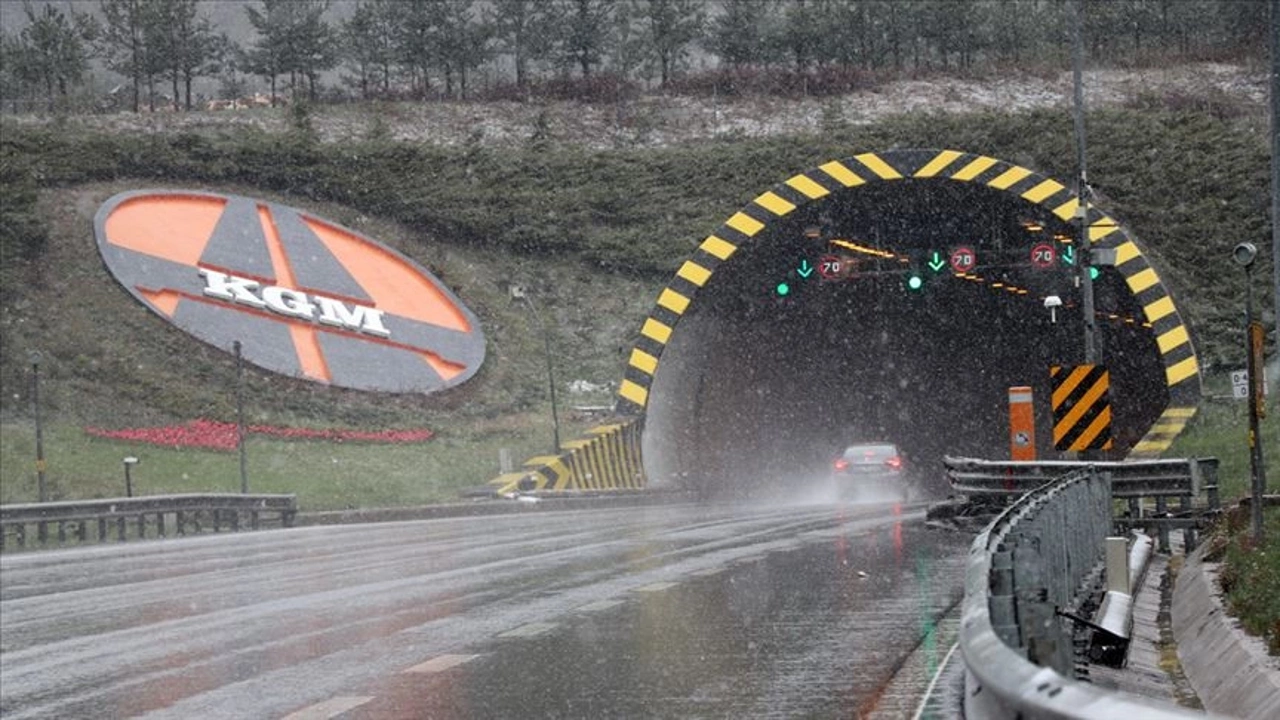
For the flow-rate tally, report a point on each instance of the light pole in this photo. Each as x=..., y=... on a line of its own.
x=244, y=468
x=519, y=293
x=41, y=487
x=1244, y=254
x=129, y=462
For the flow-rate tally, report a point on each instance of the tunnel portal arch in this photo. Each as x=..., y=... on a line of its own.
x=841, y=181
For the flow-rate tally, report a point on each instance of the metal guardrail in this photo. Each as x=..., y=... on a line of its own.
x=1171, y=485
x=1025, y=566
x=133, y=518
x=1130, y=478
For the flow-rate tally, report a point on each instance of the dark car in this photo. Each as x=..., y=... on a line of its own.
x=871, y=471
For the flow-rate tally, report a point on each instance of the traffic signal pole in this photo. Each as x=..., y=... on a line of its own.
x=1083, y=251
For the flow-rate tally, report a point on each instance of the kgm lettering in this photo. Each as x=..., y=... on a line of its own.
x=293, y=303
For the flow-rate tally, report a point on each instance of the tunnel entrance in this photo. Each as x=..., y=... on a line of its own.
x=808, y=333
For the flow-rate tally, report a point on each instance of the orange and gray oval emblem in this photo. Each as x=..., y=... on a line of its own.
x=304, y=296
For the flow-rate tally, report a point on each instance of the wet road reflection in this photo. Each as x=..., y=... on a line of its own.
x=674, y=611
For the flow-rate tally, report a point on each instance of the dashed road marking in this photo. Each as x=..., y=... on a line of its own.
x=600, y=605
x=531, y=630
x=656, y=587
x=441, y=663
x=330, y=708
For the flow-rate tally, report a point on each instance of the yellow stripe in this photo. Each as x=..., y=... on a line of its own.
x=1159, y=308
x=811, y=189
x=935, y=166
x=656, y=330
x=1067, y=210
x=1007, y=178
x=1181, y=412
x=717, y=247
x=673, y=301
x=841, y=173
x=1152, y=446
x=1181, y=371
x=745, y=224
x=1100, y=423
x=633, y=392
x=1172, y=339
x=1142, y=280
x=775, y=204
x=642, y=360
x=1092, y=395
x=1042, y=191
x=695, y=273
x=975, y=168
x=1126, y=251
x=1069, y=383
x=1102, y=228
x=878, y=166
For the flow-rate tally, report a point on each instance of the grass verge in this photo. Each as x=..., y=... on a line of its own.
x=1250, y=574
x=324, y=475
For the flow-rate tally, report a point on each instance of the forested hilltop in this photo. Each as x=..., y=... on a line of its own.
x=105, y=55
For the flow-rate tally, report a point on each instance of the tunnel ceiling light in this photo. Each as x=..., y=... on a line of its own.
x=848, y=245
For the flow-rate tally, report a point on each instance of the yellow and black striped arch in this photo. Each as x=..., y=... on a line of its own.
x=847, y=174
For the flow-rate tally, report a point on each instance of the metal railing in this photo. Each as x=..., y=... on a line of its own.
x=1028, y=564
x=88, y=521
x=1172, y=486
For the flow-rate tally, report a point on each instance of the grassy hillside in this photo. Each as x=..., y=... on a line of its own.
x=595, y=233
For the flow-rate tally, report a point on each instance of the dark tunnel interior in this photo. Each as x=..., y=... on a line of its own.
x=761, y=390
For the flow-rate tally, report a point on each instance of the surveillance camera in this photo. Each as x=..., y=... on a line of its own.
x=1244, y=253
x=1052, y=301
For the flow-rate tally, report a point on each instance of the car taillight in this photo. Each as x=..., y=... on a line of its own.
x=894, y=462
x=842, y=464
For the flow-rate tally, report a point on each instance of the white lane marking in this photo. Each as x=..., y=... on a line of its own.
x=441, y=663
x=748, y=559
x=530, y=630
x=330, y=708
x=656, y=587
x=924, y=699
x=707, y=572
x=600, y=605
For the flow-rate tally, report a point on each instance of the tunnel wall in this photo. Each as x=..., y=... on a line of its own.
x=664, y=326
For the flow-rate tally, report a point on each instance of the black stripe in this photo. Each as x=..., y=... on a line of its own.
x=1025, y=184
x=909, y=162
x=790, y=194
x=1073, y=434
x=826, y=181
x=987, y=175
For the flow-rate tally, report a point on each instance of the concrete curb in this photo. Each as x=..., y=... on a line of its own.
x=1229, y=669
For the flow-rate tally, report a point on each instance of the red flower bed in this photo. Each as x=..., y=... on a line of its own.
x=212, y=435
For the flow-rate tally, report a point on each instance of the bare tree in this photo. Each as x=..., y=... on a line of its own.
x=669, y=28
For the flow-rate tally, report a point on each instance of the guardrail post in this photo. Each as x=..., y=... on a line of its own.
x=160, y=524
x=102, y=529
x=1162, y=531
x=120, y=531
x=62, y=533
x=217, y=520
x=82, y=532
x=1003, y=604
x=142, y=526
x=1189, y=540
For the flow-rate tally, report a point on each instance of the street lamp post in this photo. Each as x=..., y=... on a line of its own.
x=1244, y=255
x=41, y=486
x=519, y=293
x=129, y=462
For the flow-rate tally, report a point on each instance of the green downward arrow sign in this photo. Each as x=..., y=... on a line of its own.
x=805, y=269
x=936, y=263
x=1069, y=255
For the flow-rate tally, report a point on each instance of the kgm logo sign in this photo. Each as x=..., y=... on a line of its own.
x=304, y=296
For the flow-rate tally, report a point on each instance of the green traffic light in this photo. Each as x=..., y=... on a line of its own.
x=915, y=282
x=1093, y=272
x=783, y=289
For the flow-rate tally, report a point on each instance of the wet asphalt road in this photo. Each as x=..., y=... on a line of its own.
x=663, y=611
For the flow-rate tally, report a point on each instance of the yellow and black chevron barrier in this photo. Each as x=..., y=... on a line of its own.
x=607, y=457
x=1081, y=407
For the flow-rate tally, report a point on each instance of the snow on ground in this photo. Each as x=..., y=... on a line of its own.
x=657, y=120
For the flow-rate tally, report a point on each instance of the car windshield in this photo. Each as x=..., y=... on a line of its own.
x=870, y=453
